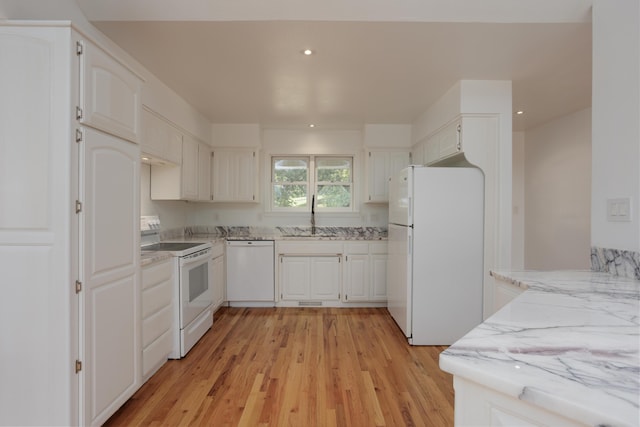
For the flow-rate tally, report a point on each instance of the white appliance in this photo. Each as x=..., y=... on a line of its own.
x=250, y=273
x=435, y=261
x=193, y=293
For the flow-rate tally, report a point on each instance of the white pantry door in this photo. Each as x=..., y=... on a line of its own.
x=110, y=298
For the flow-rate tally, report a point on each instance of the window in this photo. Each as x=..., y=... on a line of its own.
x=295, y=179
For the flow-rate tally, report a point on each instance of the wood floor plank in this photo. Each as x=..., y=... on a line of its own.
x=295, y=367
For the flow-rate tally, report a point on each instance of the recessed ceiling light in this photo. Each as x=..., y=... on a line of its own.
x=307, y=52
x=146, y=158
x=312, y=125
x=519, y=112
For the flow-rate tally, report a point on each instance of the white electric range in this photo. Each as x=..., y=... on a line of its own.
x=193, y=294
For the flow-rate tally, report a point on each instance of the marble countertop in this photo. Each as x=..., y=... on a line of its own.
x=151, y=257
x=569, y=344
x=289, y=233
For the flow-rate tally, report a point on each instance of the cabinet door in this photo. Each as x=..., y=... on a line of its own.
x=204, y=172
x=356, y=278
x=154, y=135
x=295, y=278
x=398, y=160
x=233, y=175
x=110, y=94
x=431, y=151
x=381, y=166
x=378, y=278
x=217, y=275
x=449, y=140
x=325, y=278
x=245, y=176
x=377, y=165
x=190, y=164
x=110, y=298
x=160, y=139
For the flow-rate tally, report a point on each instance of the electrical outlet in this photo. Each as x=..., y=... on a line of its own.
x=619, y=210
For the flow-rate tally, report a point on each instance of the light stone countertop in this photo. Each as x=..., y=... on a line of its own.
x=570, y=344
x=152, y=257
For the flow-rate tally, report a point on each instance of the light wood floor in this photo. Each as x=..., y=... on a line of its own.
x=297, y=367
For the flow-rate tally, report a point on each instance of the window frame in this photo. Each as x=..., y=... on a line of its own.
x=312, y=183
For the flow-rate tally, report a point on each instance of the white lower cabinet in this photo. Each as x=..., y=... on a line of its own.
x=476, y=405
x=157, y=314
x=365, y=271
x=314, y=278
x=217, y=275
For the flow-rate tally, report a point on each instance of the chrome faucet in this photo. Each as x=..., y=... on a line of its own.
x=313, y=215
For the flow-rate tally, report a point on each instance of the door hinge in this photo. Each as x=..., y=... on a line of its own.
x=78, y=286
x=79, y=135
x=254, y=197
x=78, y=113
x=338, y=296
x=346, y=258
x=254, y=154
x=78, y=366
x=79, y=48
x=280, y=296
x=369, y=153
x=346, y=297
x=78, y=206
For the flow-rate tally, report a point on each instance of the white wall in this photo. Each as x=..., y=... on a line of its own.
x=558, y=193
x=518, y=201
x=616, y=120
x=387, y=136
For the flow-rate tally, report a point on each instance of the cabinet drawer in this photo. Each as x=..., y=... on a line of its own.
x=378, y=248
x=155, y=298
x=157, y=273
x=156, y=324
x=357, y=248
x=156, y=353
x=310, y=248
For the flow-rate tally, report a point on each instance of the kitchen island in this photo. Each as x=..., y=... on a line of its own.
x=565, y=352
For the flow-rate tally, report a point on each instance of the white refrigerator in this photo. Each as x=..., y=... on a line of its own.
x=435, y=263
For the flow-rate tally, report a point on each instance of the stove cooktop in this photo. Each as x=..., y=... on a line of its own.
x=171, y=246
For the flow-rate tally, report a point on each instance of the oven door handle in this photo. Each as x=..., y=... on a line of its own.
x=186, y=261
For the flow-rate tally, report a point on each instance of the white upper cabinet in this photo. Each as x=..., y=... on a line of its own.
x=204, y=172
x=160, y=141
x=234, y=173
x=189, y=185
x=110, y=99
x=187, y=174
x=381, y=165
x=444, y=143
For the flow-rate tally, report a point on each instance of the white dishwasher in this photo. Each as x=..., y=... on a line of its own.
x=250, y=273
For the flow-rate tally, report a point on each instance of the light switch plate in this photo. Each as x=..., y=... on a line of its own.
x=619, y=210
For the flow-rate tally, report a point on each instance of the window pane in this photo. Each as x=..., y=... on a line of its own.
x=289, y=196
x=290, y=170
x=334, y=196
x=333, y=169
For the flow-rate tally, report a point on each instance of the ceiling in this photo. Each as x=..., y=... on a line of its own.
x=252, y=70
